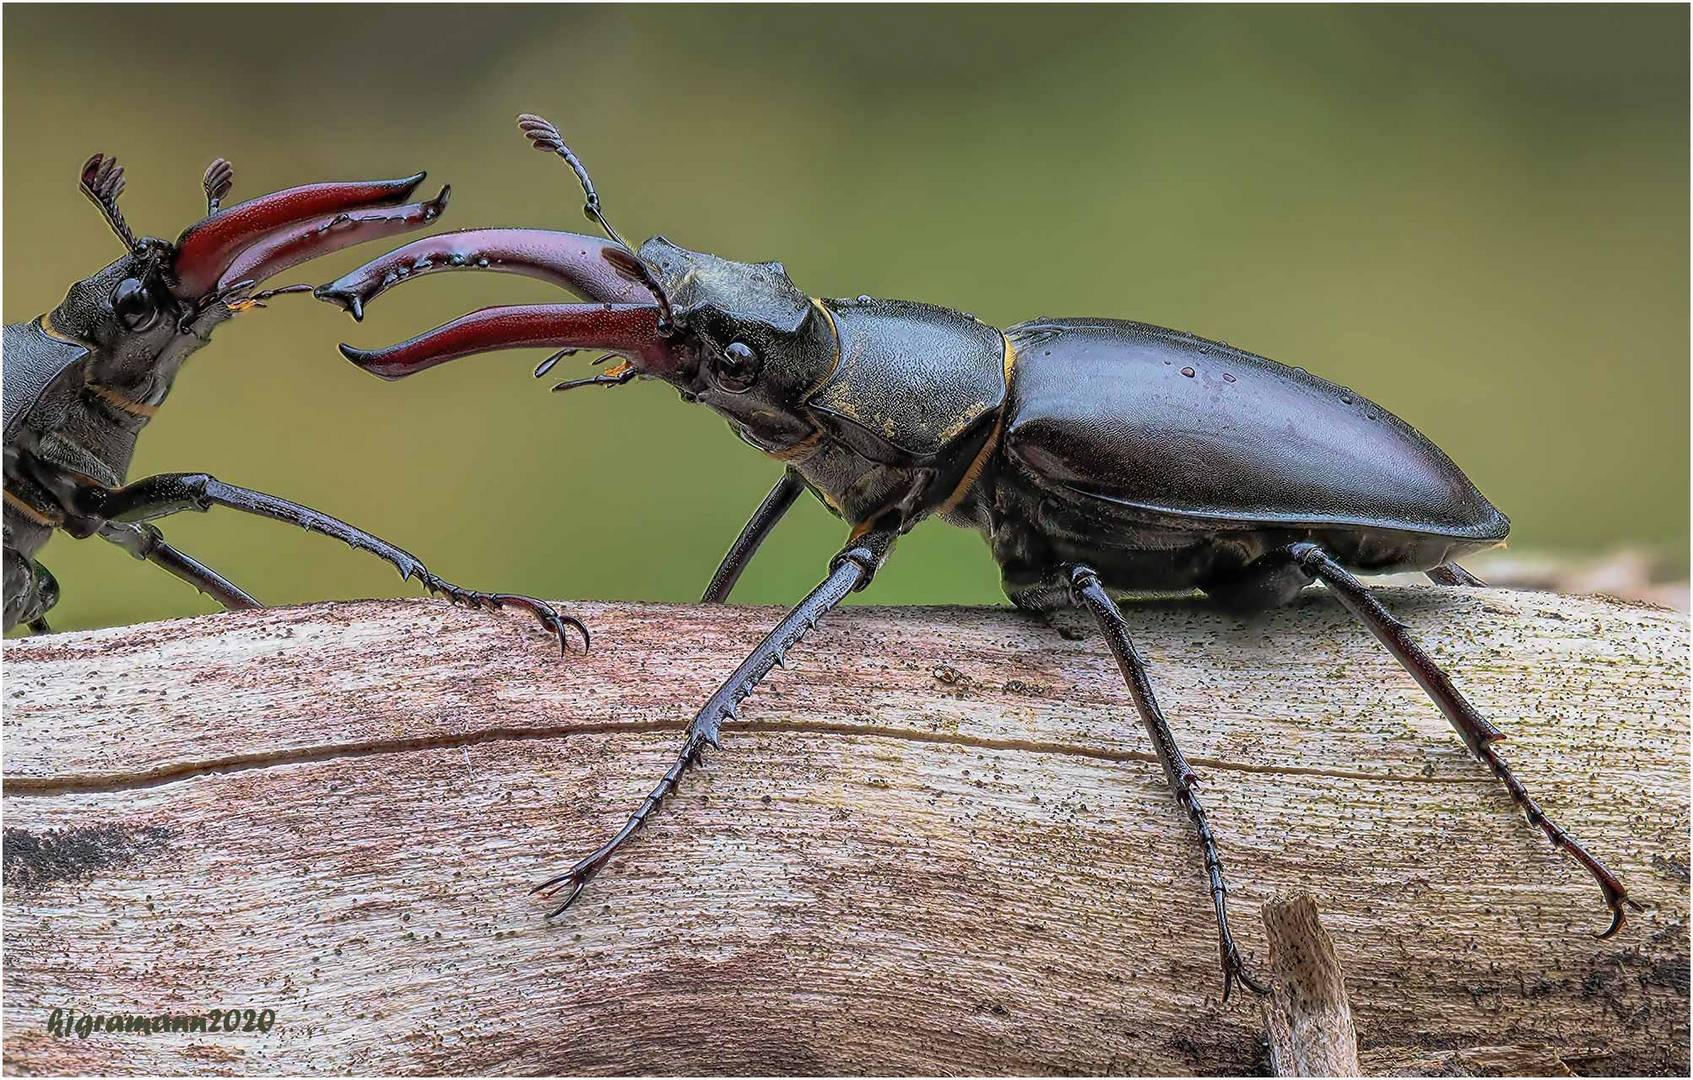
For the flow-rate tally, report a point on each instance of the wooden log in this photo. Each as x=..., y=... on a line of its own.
x=939, y=843
x=1306, y=1012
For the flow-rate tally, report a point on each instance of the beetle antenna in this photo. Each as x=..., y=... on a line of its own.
x=550, y=362
x=219, y=178
x=258, y=299
x=102, y=181
x=544, y=135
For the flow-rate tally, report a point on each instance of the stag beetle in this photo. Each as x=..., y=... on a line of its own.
x=84, y=379
x=1099, y=458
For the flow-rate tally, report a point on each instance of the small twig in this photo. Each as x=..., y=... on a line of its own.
x=1309, y=1020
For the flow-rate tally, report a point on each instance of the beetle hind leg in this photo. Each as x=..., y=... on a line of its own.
x=1478, y=734
x=1088, y=592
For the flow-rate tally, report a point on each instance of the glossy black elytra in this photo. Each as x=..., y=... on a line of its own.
x=1098, y=457
x=83, y=379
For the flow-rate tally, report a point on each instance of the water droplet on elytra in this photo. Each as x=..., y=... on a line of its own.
x=1188, y=372
x=864, y=298
x=1227, y=377
x=1345, y=400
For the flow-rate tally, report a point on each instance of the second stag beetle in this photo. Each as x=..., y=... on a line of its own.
x=84, y=379
x=1098, y=457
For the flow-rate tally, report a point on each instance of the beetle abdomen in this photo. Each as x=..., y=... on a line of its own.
x=1173, y=424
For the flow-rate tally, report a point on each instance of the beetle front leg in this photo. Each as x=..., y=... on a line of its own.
x=171, y=493
x=851, y=570
x=1088, y=592
x=31, y=592
x=148, y=544
x=1478, y=734
x=774, y=507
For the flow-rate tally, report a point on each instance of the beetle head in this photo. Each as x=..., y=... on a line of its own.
x=748, y=342
x=739, y=337
x=143, y=314
x=131, y=322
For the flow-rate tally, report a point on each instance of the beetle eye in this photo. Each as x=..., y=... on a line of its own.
x=134, y=304
x=738, y=369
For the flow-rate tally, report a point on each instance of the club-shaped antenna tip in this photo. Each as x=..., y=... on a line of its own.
x=219, y=178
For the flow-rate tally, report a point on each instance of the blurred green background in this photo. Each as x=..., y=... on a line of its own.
x=1477, y=217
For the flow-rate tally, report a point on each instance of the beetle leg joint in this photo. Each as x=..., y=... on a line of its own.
x=1081, y=578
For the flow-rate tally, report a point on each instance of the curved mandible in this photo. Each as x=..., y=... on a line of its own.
x=571, y=261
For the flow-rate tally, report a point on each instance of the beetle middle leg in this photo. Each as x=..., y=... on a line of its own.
x=850, y=571
x=1451, y=574
x=1088, y=592
x=148, y=544
x=1475, y=730
x=171, y=493
x=31, y=592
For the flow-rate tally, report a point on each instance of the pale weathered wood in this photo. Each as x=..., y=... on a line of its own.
x=1306, y=1014
x=939, y=843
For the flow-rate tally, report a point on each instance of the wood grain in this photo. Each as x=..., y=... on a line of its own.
x=938, y=843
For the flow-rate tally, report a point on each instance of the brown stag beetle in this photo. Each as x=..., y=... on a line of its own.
x=1099, y=458
x=84, y=379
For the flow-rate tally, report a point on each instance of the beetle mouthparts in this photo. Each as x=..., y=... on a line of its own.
x=207, y=253
x=584, y=265
x=292, y=245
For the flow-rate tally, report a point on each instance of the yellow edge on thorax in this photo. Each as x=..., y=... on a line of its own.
x=806, y=446
x=51, y=329
x=834, y=329
x=980, y=462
